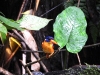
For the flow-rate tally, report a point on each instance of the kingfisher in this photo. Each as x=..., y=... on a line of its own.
x=48, y=46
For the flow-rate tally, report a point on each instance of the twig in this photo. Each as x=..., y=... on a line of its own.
x=23, y=57
x=21, y=9
x=92, y=45
x=38, y=51
x=5, y=72
x=56, y=52
x=28, y=64
x=79, y=59
x=78, y=3
x=11, y=34
x=37, y=57
x=54, y=8
x=26, y=68
x=36, y=6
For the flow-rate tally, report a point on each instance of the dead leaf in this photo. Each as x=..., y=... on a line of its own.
x=32, y=44
x=11, y=48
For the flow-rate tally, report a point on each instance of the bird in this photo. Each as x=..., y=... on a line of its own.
x=48, y=46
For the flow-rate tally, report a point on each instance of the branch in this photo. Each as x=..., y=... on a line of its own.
x=24, y=1
x=78, y=3
x=30, y=63
x=5, y=72
x=36, y=6
x=37, y=57
x=26, y=68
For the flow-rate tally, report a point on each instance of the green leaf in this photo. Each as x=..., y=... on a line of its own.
x=3, y=37
x=32, y=22
x=3, y=32
x=3, y=28
x=10, y=23
x=70, y=29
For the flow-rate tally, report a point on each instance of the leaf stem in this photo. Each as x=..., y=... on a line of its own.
x=78, y=3
x=79, y=59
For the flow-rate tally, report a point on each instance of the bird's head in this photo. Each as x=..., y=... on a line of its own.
x=50, y=39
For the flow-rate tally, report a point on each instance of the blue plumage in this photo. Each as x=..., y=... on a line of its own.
x=48, y=38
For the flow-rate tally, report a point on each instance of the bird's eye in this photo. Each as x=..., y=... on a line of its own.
x=47, y=40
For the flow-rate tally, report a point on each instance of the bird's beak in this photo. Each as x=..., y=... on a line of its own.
x=54, y=42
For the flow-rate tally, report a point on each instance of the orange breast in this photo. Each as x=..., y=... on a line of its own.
x=47, y=47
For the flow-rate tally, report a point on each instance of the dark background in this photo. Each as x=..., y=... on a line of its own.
x=89, y=55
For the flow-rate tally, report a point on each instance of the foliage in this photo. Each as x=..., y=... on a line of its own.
x=3, y=32
x=10, y=23
x=6, y=24
x=29, y=22
x=93, y=29
x=70, y=29
x=32, y=22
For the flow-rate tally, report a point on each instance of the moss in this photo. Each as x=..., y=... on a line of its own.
x=84, y=70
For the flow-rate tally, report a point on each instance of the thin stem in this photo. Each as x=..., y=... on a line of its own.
x=30, y=63
x=52, y=9
x=21, y=9
x=78, y=3
x=92, y=45
x=36, y=6
x=79, y=59
x=26, y=68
